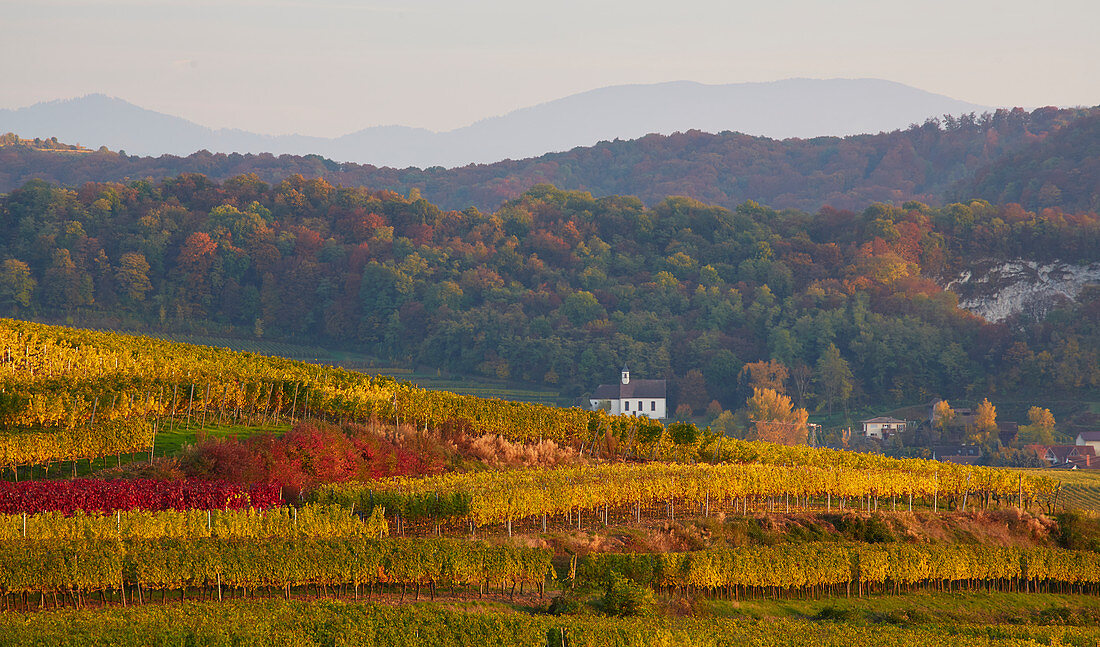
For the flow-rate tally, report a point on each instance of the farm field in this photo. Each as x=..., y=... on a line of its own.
x=1080, y=488
x=299, y=503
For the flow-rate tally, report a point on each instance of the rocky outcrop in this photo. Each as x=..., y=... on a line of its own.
x=997, y=290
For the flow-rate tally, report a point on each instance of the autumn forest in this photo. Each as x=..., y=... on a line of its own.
x=561, y=288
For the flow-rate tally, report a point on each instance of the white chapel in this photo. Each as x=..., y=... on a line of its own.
x=632, y=397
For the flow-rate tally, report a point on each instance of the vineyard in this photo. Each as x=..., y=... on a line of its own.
x=305, y=522
x=74, y=394
x=202, y=543
x=840, y=569
x=619, y=492
x=466, y=385
x=127, y=571
x=1080, y=489
x=96, y=495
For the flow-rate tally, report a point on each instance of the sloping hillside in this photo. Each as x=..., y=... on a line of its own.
x=1061, y=171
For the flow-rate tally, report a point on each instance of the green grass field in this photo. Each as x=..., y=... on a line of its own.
x=1047, y=620
x=978, y=607
x=172, y=438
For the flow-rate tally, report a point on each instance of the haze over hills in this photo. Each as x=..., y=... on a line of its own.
x=781, y=109
x=935, y=162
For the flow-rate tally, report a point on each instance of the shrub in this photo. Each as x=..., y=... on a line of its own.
x=624, y=598
x=1078, y=531
x=872, y=529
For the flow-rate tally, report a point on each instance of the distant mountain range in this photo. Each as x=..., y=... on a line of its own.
x=782, y=109
x=1043, y=158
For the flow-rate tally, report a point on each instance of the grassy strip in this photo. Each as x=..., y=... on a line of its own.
x=916, y=608
x=325, y=622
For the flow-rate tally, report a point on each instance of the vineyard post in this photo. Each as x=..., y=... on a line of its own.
x=270, y=399
x=205, y=404
x=294, y=407
x=175, y=389
x=1020, y=506
x=24, y=525
x=936, y=494
x=95, y=405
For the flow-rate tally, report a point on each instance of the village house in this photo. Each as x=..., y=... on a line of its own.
x=1067, y=456
x=632, y=397
x=1089, y=439
x=882, y=428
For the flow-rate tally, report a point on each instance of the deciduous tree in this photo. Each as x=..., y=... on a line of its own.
x=942, y=415
x=985, y=422
x=1041, y=427
x=765, y=375
x=16, y=284
x=834, y=378
x=133, y=276
x=775, y=419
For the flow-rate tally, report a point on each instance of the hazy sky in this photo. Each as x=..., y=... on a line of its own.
x=330, y=67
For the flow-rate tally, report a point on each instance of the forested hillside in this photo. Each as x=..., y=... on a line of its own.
x=561, y=288
x=1062, y=170
x=920, y=163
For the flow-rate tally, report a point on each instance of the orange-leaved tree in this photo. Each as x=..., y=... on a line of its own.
x=985, y=422
x=775, y=419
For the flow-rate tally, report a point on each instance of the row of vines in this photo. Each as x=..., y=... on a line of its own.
x=207, y=567
x=628, y=491
x=250, y=523
x=848, y=569
x=102, y=495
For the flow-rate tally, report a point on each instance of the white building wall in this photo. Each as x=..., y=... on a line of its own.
x=655, y=408
x=1081, y=442
x=876, y=429
x=616, y=406
x=873, y=430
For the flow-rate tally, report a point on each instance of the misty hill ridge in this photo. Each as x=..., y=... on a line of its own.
x=781, y=109
x=935, y=162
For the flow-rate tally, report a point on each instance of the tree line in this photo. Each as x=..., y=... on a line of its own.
x=561, y=288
